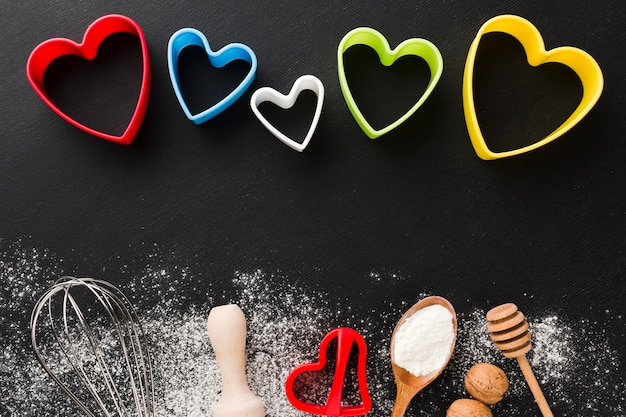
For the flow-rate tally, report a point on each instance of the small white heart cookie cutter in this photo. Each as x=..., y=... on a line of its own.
x=305, y=82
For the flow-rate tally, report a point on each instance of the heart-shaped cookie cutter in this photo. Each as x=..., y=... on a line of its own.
x=375, y=40
x=305, y=82
x=528, y=35
x=346, y=337
x=46, y=52
x=234, y=51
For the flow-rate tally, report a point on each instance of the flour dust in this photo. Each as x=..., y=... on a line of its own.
x=286, y=321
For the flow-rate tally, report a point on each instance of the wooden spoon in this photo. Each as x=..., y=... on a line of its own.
x=407, y=384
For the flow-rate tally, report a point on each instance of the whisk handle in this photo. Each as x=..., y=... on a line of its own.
x=534, y=386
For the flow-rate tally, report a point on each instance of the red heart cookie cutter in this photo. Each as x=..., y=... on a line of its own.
x=345, y=339
x=46, y=52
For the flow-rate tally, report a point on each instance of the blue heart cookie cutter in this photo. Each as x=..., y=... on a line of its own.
x=231, y=52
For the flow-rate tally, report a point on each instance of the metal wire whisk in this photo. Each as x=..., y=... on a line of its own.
x=87, y=337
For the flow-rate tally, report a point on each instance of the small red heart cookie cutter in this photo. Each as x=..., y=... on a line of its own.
x=345, y=339
x=46, y=52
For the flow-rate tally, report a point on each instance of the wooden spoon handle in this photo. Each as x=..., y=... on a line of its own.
x=534, y=386
x=399, y=407
x=404, y=395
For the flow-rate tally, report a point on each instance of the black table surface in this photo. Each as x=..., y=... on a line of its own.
x=415, y=209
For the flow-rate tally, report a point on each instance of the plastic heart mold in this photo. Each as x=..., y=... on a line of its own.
x=306, y=82
x=333, y=407
x=231, y=52
x=46, y=52
x=578, y=60
x=375, y=40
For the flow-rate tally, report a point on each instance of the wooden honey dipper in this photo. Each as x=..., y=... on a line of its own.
x=509, y=331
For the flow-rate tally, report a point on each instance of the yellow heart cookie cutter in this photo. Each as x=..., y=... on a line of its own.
x=527, y=34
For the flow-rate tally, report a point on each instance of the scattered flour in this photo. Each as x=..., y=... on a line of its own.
x=423, y=342
x=576, y=365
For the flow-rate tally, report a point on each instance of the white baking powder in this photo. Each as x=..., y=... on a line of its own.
x=423, y=342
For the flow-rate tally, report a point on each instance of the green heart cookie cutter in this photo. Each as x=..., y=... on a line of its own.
x=375, y=40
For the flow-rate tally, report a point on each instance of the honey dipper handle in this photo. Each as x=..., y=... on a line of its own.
x=534, y=386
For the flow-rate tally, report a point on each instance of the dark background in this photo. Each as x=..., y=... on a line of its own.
x=418, y=202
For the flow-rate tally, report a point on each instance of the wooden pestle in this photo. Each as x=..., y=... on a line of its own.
x=227, y=332
x=509, y=331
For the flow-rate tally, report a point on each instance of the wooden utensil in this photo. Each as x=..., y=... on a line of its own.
x=407, y=384
x=509, y=331
x=227, y=332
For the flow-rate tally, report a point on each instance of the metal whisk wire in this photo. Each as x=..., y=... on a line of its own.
x=79, y=343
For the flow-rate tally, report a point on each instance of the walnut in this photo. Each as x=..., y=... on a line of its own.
x=466, y=407
x=486, y=383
